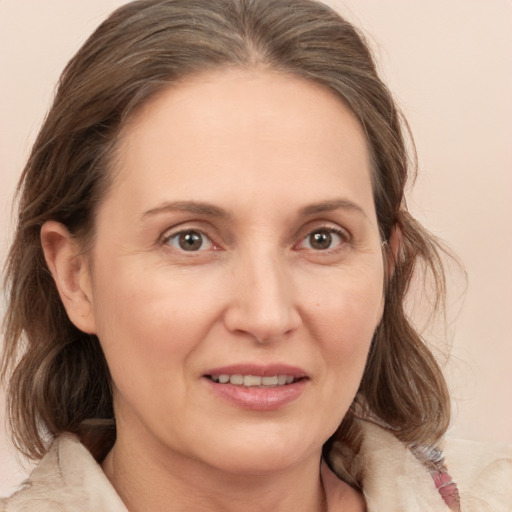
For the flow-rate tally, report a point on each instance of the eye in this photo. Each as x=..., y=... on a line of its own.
x=190, y=241
x=323, y=239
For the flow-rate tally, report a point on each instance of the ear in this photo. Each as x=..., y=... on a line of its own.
x=393, y=246
x=395, y=241
x=390, y=250
x=71, y=274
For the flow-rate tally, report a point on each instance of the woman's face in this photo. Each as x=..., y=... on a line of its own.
x=236, y=277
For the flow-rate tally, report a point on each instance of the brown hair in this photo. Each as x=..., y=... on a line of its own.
x=58, y=375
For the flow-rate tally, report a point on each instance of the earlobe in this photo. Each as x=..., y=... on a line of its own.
x=71, y=274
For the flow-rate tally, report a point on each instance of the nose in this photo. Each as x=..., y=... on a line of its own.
x=263, y=302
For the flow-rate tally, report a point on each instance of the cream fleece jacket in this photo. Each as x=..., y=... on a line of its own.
x=68, y=479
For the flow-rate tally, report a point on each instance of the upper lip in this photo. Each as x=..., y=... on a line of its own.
x=266, y=370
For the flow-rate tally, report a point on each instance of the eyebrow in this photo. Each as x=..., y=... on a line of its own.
x=330, y=205
x=210, y=210
x=194, y=207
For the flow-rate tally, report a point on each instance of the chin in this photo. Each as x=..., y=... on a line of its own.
x=258, y=460
x=263, y=451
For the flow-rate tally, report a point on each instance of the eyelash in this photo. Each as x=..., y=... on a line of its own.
x=342, y=234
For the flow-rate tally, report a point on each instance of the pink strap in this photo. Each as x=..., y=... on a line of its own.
x=447, y=488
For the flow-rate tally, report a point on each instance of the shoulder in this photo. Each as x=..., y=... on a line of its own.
x=67, y=479
x=483, y=473
x=396, y=478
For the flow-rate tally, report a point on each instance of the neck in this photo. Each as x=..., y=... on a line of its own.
x=147, y=481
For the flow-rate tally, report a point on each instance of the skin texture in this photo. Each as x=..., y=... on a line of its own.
x=278, y=159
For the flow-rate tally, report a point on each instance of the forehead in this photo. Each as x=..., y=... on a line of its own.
x=233, y=133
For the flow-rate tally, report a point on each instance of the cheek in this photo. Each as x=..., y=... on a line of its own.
x=344, y=318
x=349, y=307
x=150, y=320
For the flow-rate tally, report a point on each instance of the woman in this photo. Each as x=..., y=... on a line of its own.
x=209, y=271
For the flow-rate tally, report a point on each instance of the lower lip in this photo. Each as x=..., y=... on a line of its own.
x=258, y=398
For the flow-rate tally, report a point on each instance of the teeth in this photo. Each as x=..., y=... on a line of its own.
x=251, y=380
x=254, y=380
x=269, y=381
x=238, y=380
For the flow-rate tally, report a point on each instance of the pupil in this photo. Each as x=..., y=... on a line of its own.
x=321, y=240
x=190, y=241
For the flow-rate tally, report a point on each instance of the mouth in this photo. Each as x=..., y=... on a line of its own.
x=259, y=388
x=249, y=381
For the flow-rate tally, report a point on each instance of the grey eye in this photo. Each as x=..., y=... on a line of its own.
x=322, y=240
x=190, y=241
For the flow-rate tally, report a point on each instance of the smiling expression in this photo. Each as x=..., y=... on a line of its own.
x=237, y=270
